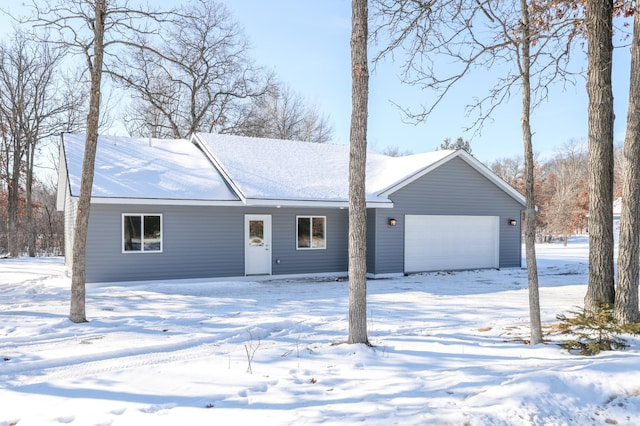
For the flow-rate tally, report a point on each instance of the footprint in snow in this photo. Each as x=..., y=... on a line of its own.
x=263, y=387
x=158, y=408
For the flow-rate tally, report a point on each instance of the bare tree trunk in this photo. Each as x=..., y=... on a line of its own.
x=29, y=109
x=12, y=224
x=626, y=296
x=600, y=289
x=530, y=215
x=78, y=278
x=31, y=229
x=13, y=202
x=357, y=165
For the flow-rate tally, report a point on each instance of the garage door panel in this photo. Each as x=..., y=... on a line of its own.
x=439, y=242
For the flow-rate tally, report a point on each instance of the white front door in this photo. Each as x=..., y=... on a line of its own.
x=257, y=244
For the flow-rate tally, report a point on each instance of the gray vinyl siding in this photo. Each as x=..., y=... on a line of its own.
x=200, y=242
x=385, y=255
x=292, y=261
x=372, y=215
x=454, y=188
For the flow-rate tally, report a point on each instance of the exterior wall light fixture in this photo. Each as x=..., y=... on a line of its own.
x=393, y=221
x=513, y=222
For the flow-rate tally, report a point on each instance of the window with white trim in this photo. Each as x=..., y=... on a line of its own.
x=311, y=232
x=141, y=233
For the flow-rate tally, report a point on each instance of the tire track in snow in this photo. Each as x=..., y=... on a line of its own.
x=35, y=362
x=26, y=287
x=35, y=372
x=77, y=366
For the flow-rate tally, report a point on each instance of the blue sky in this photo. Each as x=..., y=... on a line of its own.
x=306, y=43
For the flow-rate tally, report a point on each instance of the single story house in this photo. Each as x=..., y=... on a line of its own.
x=231, y=206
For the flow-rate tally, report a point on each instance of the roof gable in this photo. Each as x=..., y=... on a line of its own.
x=391, y=173
x=467, y=158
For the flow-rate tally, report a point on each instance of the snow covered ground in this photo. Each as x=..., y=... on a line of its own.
x=448, y=350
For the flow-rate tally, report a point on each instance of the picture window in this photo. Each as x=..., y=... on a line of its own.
x=141, y=233
x=311, y=232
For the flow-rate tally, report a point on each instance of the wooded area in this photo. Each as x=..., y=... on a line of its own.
x=198, y=75
x=537, y=40
x=175, y=87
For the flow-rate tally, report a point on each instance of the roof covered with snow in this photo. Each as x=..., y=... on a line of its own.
x=268, y=169
x=228, y=169
x=146, y=169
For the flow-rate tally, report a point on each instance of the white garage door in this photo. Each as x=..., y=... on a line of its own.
x=435, y=243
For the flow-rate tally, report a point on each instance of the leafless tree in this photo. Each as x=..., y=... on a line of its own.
x=626, y=294
x=524, y=59
x=196, y=77
x=511, y=170
x=281, y=113
x=527, y=39
x=438, y=44
x=564, y=209
x=395, y=151
x=48, y=223
x=94, y=29
x=357, y=163
x=30, y=111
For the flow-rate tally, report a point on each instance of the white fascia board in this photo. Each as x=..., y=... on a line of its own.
x=306, y=203
x=162, y=201
x=230, y=203
x=380, y=205
x=295, y=203
x=218, y=166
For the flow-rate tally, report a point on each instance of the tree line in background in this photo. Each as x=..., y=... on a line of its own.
x=561, y=185
x=188, y=69
x=561, y=188
x=197, y=75
x=528, y=45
